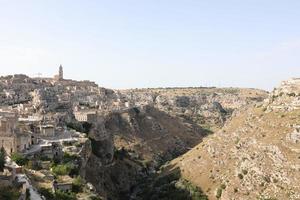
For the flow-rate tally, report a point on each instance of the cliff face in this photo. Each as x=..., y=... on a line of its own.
x=113, y=177
x=254, y=156
x=207, y=107
x=150, y=133
x=125, y=145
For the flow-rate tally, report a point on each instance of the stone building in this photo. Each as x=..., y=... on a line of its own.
x=65, y=187
x=47, y=130
x=85, y=115
x=60, y=75
x=13, y=139
x=51, y=151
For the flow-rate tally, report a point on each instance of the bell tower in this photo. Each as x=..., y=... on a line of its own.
x=61, y=73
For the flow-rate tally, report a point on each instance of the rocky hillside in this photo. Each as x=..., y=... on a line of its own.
x=147, y=135
x=207, y=107
x=255, y=155
x=136, y=131
x=144, y=138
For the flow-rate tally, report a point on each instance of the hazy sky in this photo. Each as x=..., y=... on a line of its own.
x=153, y=43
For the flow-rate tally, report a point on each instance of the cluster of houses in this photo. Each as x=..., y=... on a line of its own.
x=35, y=110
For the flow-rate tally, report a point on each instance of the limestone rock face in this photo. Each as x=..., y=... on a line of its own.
x=254, y=156
x=145, y=134
x=205, y=106
x=112, y=175
x=45, y=99
x=286, y=97
x=294, y=136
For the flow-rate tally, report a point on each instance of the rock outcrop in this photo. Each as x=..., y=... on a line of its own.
x=208, y=107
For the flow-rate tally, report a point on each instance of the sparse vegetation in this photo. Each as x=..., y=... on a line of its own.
x=19, y=159
x=77, y=185
x=9, y=193
x=60, y=195
x=219, y=193
x=240, y=176
x=62, y=169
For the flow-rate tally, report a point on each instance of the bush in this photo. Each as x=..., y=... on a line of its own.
x=219, y=193
x=77, y=185
x=9, y=193
x=46, y=193
x=267, y=179
x=19, y=159
x=60, y=195
x=62, y=170
x=240, y=176
x=223, y=187
x=69, y=158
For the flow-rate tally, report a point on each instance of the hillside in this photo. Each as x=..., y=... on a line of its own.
x=132, y=132
x=255, y=155
x=207, y=107
x=148, y=136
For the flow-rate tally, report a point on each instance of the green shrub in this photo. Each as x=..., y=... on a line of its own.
x=240, y=176
x=60, y=195
x=9, y=193
x=69, y=158
x=46, y=193
x=19, y=159
x=77, y=185
x=219, y=193
x=63, y=169
x=245, y=172
x=223, y=187
x=267, y=179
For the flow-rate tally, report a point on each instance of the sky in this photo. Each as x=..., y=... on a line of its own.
x=153, y=43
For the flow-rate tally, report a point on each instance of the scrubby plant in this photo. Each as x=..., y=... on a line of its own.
x=19, y=159
x=244, y=171
x=219, y=193
x=60, y=195
x=77, y=185
x=9, y=193
x=240, y=176
x=63, y=169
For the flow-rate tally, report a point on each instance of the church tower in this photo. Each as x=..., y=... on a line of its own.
x=61, y=73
